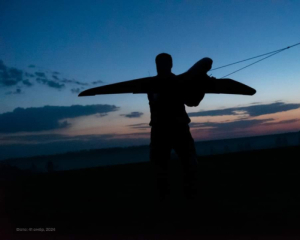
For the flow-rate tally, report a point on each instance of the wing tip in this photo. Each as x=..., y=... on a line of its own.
x=86, y=93
x=253, y=91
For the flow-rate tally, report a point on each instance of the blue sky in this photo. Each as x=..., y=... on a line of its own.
x=76, y=43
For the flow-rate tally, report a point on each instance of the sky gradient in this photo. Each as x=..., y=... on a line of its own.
x=52, y=50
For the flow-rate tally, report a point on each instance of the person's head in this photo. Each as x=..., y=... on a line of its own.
x=164, y=63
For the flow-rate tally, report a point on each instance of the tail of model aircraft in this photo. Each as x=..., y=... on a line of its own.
x=202, y=66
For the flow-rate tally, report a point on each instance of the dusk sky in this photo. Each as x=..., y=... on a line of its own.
x=52, y=50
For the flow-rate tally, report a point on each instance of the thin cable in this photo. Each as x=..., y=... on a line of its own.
x=244, y=60
x=276, y=51
x=253, y=63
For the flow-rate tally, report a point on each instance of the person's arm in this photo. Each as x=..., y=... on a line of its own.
x=193, y=98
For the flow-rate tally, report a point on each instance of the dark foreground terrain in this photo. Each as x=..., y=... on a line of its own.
x=241, y=195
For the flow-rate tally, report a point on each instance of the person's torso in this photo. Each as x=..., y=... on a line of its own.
x=167, y=108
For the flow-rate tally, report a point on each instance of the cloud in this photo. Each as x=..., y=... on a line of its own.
x=252, y=111
x=18, y=91
x=74, y=82
x=50, y=83
x=101, y=114
x=255, y=103
x=40, y=74
x=231, y=126
x=27, y=83
x=75, y=90
x=29, y=75
x=47, y=117
x=96, y=82
x=141, y=126
x=56, y=82
x=283, y=122
x=239, y=128
x=16, y=73
x=9, y=76
x=132, y=115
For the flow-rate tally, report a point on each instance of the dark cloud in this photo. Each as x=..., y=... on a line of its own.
x=255, y=103
x=101, y=114
x=47, y=117
x=40, y=74
x=75, y=90
x=2, y=66
x=96, y=82
x=57, y=83
x=29, y=74
x=239, y=128
x=74, y=82
x=283, y=122
x=17, y=91
x=231, y=126
x=141, y=126
x=132, y=115
x=252, y=111
x=16, y=74
x=27, y=83
x=9, y=76
x=50, y=83
x=9, y=82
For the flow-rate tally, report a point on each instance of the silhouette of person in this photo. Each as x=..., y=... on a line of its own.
x=170, y=130
x=49, y=166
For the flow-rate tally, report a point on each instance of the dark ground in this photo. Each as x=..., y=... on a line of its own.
x=247, y=195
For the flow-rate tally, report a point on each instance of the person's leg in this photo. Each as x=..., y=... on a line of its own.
x=185, y=149
x=159, y=156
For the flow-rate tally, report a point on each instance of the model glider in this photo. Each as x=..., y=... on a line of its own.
x=193, y=81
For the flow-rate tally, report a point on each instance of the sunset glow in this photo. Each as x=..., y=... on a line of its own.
x=49, y=53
